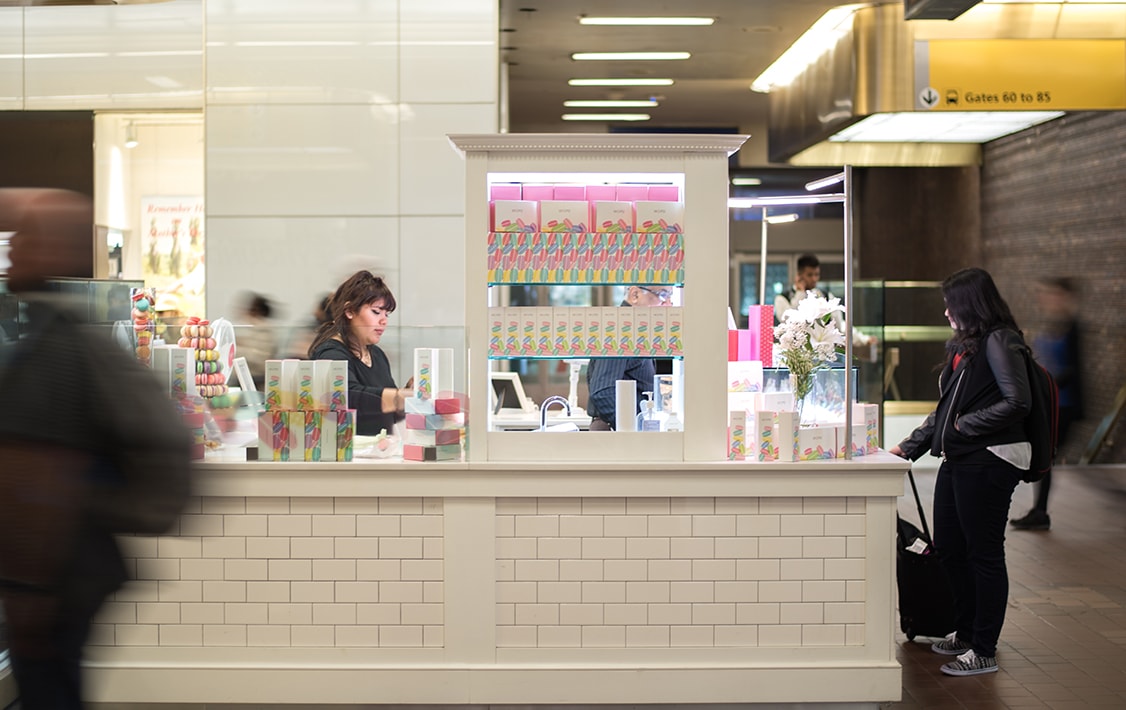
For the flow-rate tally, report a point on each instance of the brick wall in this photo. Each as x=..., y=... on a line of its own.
x=1053, y=203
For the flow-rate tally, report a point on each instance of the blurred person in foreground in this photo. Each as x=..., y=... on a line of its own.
x=67, y=395
x=978, y=431
x=602, y=373
x=357, y=318
x=1057, y=348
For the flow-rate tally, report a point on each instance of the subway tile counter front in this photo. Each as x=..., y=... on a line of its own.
x=498, y=583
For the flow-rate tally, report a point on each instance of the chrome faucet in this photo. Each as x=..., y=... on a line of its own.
x=553, y=399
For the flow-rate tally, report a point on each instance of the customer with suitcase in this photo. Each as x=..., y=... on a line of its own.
x=978, y=431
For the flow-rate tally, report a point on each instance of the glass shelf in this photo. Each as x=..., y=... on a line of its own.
x=585, y=357
x=608, y=282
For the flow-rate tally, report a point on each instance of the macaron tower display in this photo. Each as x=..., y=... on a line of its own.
x=210, y=379
x=144, y=326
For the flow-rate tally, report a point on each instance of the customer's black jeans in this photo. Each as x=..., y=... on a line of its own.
x=971, y=509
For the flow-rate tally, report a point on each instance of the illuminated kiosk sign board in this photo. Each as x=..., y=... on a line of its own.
x=1020, y=75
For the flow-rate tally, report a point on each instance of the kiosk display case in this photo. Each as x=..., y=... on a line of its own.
x=656, y=211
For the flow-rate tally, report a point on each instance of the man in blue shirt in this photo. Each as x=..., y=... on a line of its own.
x=602, y=373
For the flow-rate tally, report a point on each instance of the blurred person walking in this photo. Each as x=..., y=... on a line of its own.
x=978, y=431
x=257, y=341
x=1057, y=349
x=90, y=446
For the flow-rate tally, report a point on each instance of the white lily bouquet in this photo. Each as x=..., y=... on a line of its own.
x=810, y=338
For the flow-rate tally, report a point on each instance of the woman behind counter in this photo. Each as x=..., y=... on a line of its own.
x=356, y=318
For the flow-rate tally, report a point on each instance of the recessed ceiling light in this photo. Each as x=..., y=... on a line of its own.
x=941, y=126
x=605, y=117
x=640, y=103
x=628, y=56
x=646, y=21
x=620, y=82
x=746, y=181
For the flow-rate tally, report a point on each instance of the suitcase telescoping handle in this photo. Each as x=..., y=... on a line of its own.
x=919, y=505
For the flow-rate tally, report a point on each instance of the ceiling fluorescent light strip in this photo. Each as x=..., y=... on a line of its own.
x=782, y=218
x=629, y=56
x=605, y=117
x=649, y=21
x=822, y=35
x=825, y=182
x=744, y=202
x=641, y=103
x=620, y=82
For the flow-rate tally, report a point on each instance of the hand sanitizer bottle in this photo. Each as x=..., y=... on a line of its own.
x=648, y=419
x=673, y=423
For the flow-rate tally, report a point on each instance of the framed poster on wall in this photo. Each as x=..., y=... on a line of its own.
x=172, y=251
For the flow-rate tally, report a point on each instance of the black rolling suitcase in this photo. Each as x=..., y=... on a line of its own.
x=926, y=606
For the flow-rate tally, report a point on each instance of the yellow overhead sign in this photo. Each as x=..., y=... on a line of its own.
x=1020, y=74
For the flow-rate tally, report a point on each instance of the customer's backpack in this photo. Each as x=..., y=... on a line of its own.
x=1042, y=423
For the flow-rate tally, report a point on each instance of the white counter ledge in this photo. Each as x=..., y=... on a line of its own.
x=380, y=581
x=865, y=475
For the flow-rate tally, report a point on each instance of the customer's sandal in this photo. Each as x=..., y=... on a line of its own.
x=951, y=645
x=969, y=663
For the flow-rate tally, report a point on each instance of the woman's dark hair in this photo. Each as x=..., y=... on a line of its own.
x=976, y=306
x=359, y=290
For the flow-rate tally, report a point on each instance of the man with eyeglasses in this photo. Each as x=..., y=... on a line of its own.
x=603, y=373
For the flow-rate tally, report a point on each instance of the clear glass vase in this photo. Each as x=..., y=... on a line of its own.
x=803, y=405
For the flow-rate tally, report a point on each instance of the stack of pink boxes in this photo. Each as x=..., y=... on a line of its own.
x=755, y=342
x=435, y=424
x=307, y=416
x=434, y=429
x=585, y=234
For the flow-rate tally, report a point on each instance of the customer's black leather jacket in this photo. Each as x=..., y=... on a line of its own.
x=982, y=402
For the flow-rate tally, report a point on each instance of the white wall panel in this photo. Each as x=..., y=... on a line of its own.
x=302, y=160
x=449, y=51
x=11, y=58
x=134, y=56
x=294, y=51
x=295, y=260
x=433, y=252
x=426, y=153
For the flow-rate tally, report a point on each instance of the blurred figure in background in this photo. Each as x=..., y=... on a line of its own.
x=1056, y=346
x=258, y=341
x=301, y=334
x=118, y=304
x=75, y=410
x=805, y=283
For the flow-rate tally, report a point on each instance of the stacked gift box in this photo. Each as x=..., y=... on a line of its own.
x=434, y=429
x=586, y=332
x=585, y=208
x=174, y=368
x=601, y=257
x=585, y=234
x=771, y=431
x=435, y=422
x=307, y=416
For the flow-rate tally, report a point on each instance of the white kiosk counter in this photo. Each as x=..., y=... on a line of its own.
x=507, y=583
